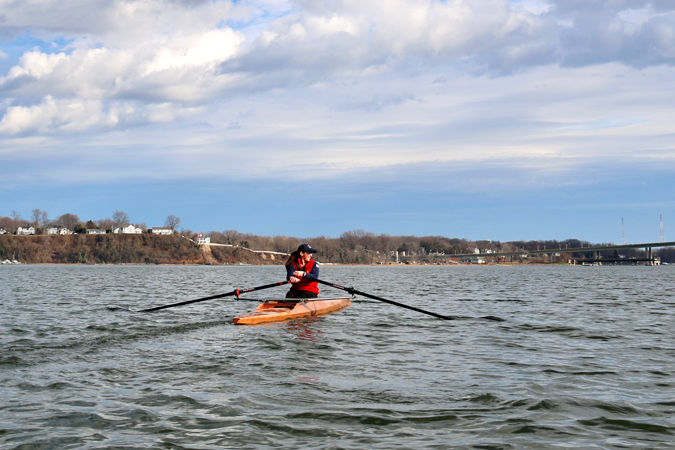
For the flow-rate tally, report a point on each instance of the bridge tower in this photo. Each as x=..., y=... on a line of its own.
x=623, y=233
x=661, y=233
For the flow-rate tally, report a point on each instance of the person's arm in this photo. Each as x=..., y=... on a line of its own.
x=289, y=273
x=314, y=273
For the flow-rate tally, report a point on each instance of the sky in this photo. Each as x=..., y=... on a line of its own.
x=475, y=119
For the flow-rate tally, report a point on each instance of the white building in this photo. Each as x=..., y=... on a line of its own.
x=164, y=231
x=202, y=239
x=95, y=231
x=129, y=229
x=58, y=230
x=25, y=231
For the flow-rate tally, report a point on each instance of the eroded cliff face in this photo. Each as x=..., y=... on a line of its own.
x=120, y=249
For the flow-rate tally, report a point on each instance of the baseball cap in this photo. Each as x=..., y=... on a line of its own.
x=306, y=248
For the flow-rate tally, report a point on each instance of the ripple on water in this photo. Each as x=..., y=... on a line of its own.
x=583, y=359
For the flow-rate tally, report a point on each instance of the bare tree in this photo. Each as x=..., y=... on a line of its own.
x=8, y=224
x=120, y=219
x=68, y=220
x=232, y=236
x=39, y=218
x=172, y=222
x=105, y=224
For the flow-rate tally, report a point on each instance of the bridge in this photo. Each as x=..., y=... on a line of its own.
x=595, y=250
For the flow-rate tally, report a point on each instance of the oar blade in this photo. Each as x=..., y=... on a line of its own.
x=493, y=318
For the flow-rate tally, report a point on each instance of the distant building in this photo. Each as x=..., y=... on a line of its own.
x=129, y=229
x=164, y=231
x=202, y=239
x=3, y=231
x=95, y=231
x=58, y=230
x=24, y=231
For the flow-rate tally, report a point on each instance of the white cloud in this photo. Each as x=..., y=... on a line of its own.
x=167, y=50
x=56, y=115
x=35, y=65
x=103, y=72
x=203, y=49
x=175, y=68
x=341, y=85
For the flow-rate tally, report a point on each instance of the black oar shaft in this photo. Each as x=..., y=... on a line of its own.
x=353, y=291
x=236, y=292
x=187, y=302
x=375, y=297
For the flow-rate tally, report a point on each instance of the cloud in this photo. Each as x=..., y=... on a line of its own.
x=52, y=114
x=193, y=51
x=338, y=85
x=356, y=37
x=178, y=68
x=331, y=39
x=637, y=34
x=148, y=53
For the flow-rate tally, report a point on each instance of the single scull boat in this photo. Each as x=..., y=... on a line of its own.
x=285, y=309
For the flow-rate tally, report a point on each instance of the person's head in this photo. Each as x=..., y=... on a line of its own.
x=305, y=251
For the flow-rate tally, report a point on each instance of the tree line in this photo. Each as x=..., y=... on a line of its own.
x=40, y=221
x=351, y=247
x=362, y=247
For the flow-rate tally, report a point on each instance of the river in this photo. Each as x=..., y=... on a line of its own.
x=584, y=358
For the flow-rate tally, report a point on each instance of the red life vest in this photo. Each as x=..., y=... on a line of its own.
x=304, y=284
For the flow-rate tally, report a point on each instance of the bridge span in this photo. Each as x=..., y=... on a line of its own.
x=595, y=250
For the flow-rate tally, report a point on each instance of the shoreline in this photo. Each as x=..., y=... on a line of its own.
x=271, y=265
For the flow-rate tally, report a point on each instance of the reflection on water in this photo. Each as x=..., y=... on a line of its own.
x=584, y=358
x=306, y=329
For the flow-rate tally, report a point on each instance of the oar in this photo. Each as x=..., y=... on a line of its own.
x=353, y=291
x=236, y=292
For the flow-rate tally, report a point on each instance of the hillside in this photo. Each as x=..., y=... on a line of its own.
x=120, y=249
x=348, y=249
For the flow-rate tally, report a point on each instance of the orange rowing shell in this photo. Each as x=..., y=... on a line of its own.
x=280, y=310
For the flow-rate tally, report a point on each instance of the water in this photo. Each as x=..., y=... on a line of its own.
x=584, y=358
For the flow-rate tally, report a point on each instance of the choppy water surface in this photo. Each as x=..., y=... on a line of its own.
x=584, y=358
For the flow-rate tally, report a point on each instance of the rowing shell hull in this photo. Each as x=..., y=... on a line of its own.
x=280, y=310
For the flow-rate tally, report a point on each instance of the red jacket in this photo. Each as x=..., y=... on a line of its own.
x=311, y=268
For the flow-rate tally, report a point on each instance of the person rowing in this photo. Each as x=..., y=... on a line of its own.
x=299, y=266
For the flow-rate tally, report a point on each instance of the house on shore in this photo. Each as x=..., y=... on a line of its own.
x=25, y=231
x=59, y=230
x=95, y=231
x=202, y=239
x=164, y=231
x=129, y=229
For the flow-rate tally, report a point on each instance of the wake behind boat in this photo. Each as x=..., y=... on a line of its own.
x=277, y=310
